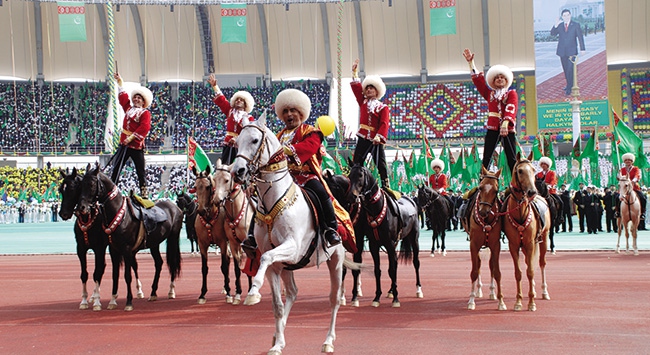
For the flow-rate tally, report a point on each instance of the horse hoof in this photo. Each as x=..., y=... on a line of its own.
x=223, y=291
x=342, y=301
x=140, y=295
x=375, y=304
x=471, y=306
x=502, y=307
x=111, y=306
x=152, y=298
x=171, y=295
x=492, y=297
x=532, y=307
x=83, y=306
x=636, y=253
x=553, y=252
x=389, y=295
x=327, y=348
x=419, y=294
x=397, y=304
x=479, y=293
x=546, y=296
x=354, y=303
x=236, y=300
x=444, y=253
x=252, y=299
x=201, y=301
x=229, y=299
x=274, y=352
x=128, y=308
x=97, y=308
x=618, y=251
x=517, y=307
x=433, y=255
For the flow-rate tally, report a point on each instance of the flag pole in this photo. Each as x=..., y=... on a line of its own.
x=426, y=149
x=618, y=156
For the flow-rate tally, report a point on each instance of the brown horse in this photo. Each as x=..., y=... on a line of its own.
x=629, y=215
x=484, y=229
x=526, y=223
x=209, y=225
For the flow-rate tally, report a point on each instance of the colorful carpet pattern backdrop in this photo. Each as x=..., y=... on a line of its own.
x=640, y=92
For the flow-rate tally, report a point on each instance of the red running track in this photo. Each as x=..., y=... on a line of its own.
x=599, y=305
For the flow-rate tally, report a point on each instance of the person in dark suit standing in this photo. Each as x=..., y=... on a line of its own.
x=611, y=196
x=565, y=196
x=569, y=36
x=578, y=200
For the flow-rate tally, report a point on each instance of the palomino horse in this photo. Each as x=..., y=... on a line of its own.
x=127, y=234
x=526, y=221
x=187, y=204
x=439, y=211
x=89, y=234
x=286, y=236
x=210, y=230
x=629, y=215
x=484, y=230
x=386, y=226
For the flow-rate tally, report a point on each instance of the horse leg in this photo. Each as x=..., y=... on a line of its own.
x=392, y=273
x=495, y=271
x=283, y=252
x=356, y=281
x=416, y=261
x=514, y=252
x=138, y=284
x=335, y=266
x=238, y=290
x=116, y=260
x=279, y=311
x=225, y=270
x=129, y=263
x=204, y=274
x=158, y=263
x=529, y=255
x=474, y=274
x=628, y=226
x=374, y=251
x=81, y=254
x=619, y=231
x=542, y=268
x=100, y=267
x=443, y=249
x=634, y=234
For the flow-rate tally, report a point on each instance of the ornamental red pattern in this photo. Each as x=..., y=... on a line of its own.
x=71, y=10
x=441, y=3
x=233, y=12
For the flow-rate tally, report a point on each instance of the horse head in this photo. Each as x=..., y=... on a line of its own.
x=625, y=186
x=426, y=196
x=204, y=186
x=523, y=178
x=256, y=146
x=361, y=180
x=488, y=191
x=70, y=192
x=340, y=187
x=223, y=182
x=94, y=186
x=183, y=201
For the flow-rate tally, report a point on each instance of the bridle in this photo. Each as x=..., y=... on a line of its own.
x=515, y=179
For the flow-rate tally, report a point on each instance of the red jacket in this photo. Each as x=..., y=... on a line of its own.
x=233, y=125
x=137, y=121
x=634, y=175
x=307, y=157
x=550, y=179
x=437, y=182
x=499, y=110
x=371, y=122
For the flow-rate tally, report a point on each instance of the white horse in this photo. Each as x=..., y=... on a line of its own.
x=281, y=240
x=629, y=214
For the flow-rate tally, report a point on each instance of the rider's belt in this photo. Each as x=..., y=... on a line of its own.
x=369, y=128
x=301, y=169
x=494, y=114
x=232, y=134
x=128, y=133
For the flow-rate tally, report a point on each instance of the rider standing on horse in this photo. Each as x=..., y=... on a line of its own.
x=374, y=121
x=238, y=110
x=135, y=127
x=634, y=174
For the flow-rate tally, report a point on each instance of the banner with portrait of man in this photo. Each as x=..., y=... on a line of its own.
x=570, y=63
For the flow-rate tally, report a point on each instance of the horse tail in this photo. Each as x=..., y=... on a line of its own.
x=347, y=263
x=174, y=253
x=406, y=251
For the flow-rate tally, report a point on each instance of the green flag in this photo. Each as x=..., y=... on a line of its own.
x=628, y=142
x=442, y=17
x=196, y=156
x=72, y=21
x=233, y=23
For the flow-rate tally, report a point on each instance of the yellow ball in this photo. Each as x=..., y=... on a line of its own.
x=326, y=125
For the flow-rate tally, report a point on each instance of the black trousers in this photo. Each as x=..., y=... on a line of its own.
x=567, y=67
x=509, y=142
x=228, y=155
x=137, y=156
x=365, y=146
x=328, y=219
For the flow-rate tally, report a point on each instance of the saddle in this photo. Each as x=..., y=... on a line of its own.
x=393, y=206
x=149, y=216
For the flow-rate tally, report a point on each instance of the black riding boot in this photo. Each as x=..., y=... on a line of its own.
x=330, y=224
x=644, y=202
x=249, y=245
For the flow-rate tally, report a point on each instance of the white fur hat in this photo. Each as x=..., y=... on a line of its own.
x=546, y=160
x=627, y=156
x=377, y=83
x=249, y=101
x=146, y=94
x=439, y=163
x=293, y=98
x=496, y=70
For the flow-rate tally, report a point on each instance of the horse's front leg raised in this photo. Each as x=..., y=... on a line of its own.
x=283, y=252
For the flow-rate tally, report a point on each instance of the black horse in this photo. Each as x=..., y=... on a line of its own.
x=555, y=206
x=127, y=234
x=89, y=235
x=439, y=211
x=187, y=204
x=384, y=222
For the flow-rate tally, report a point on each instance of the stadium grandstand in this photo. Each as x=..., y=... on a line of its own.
x=57, y=99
